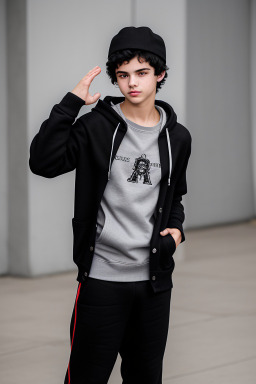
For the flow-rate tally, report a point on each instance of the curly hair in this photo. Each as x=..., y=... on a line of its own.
x=117, y=58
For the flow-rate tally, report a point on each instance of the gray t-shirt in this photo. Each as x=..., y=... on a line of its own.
x=127, y=211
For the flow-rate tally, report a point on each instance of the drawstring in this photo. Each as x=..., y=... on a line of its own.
x=170, y=156
x=113, y=139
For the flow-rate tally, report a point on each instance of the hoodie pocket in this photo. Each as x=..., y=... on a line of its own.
x=167, y=249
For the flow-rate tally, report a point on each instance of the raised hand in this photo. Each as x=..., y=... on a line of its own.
x=82, y=88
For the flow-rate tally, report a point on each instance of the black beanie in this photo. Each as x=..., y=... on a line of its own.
x=138, y=38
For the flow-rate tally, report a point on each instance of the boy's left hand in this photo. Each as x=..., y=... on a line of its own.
x=175, y=232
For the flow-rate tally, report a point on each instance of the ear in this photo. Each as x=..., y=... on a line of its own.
x=161, y=76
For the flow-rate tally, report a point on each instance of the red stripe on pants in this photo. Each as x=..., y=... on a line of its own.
x=77, y=295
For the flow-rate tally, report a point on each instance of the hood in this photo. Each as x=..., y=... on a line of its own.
x=104, y=107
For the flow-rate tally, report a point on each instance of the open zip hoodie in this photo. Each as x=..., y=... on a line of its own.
x=89, y=145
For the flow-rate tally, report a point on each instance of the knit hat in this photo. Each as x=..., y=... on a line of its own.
x=138, y=38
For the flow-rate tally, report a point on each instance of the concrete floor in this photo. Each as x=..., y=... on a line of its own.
x=212, y=333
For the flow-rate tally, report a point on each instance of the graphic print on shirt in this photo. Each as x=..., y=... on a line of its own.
x=141, y=170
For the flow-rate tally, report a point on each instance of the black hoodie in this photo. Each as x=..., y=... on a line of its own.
x=89, y=145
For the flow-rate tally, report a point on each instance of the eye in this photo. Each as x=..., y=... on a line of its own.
x=140, y=73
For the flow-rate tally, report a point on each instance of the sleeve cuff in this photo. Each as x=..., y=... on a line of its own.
x=72, y=104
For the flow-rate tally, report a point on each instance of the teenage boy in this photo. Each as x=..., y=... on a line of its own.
x=130, y=156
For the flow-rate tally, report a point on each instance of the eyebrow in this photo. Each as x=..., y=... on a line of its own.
x=138, y=70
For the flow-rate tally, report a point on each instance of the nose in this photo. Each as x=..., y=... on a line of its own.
x=132, y=81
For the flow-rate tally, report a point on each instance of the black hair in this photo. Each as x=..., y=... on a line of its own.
x=117, y=58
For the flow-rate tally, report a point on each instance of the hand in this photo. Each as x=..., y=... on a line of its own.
x=176, y=234
x=82, y=88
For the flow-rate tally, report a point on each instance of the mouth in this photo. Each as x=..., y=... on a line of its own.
x=134, y=93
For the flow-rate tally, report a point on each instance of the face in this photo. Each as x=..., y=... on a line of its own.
x=137, y=76
x=142, y=168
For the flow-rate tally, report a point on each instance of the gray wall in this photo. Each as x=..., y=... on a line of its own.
x=253, y=93
x=3, y=145
x=218, y=112
x=49, y=51
x=17, y=107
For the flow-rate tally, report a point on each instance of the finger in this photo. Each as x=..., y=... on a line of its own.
x=95, y=97
x=164, y=232
x=93, y=69
x=89, y=78
x=92, y=72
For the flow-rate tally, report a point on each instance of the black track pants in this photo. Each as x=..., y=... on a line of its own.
x=118, y=317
